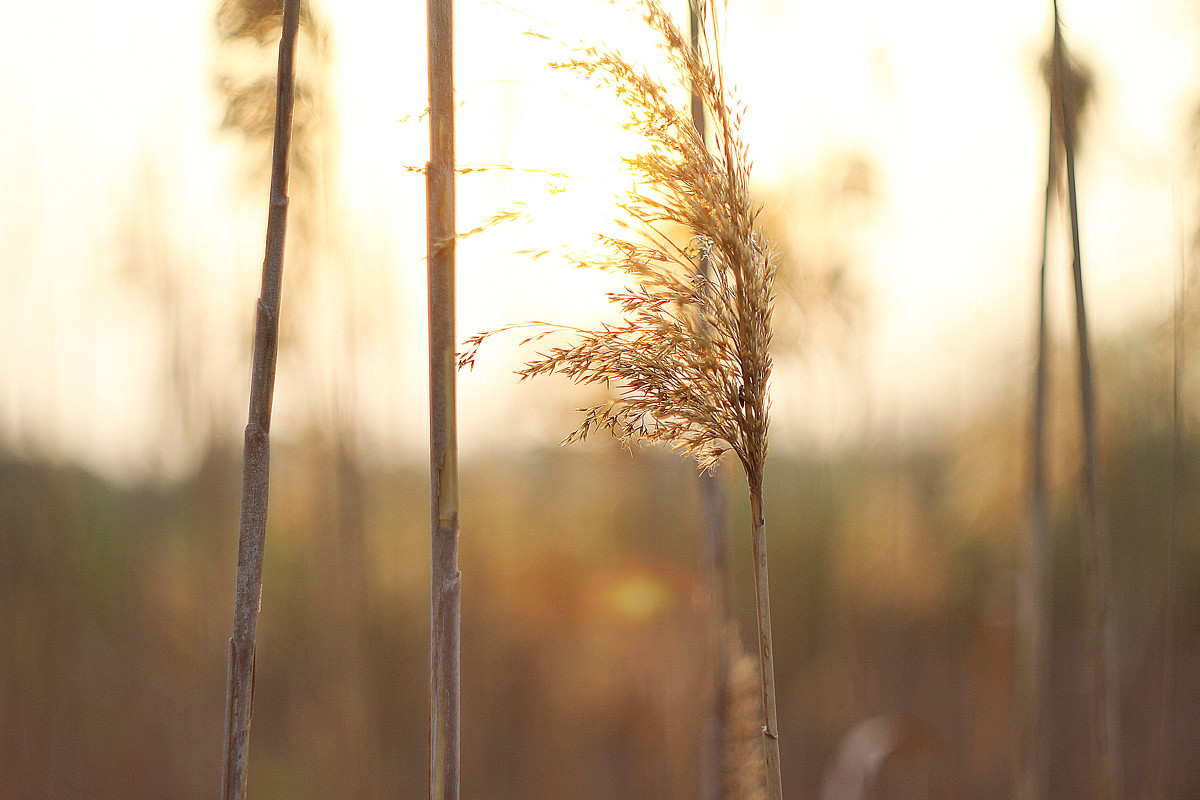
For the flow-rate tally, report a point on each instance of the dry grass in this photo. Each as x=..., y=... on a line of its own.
x=742, y=772
x=688, y=359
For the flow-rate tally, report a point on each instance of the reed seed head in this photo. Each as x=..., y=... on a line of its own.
x=688, y=359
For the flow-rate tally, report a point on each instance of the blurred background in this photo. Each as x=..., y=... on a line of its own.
x=900, y=155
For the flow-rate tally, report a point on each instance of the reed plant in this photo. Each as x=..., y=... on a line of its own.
x=257, y=452
x=1164, y=744
x=1034, y=631
x=714, y=747
x=445, y=600
x=1069, y=86
x=688, y=361
x=1067, y=102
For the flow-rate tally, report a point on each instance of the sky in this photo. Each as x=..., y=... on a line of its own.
x=110, y=130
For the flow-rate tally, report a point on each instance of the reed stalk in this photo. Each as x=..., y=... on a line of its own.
x=712, y=523
x=257, y=451
x=688, y=360
x=445, y=607
x=1034, y=621
x=721, y=634
x=1164, y=749
x=1102, y=624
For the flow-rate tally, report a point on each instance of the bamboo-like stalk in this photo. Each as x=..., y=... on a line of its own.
x=257, y=452
x=1102, y=625
x=1035, y=587
x=445, y=613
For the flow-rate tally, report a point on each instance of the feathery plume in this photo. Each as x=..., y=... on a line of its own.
x=689, y=358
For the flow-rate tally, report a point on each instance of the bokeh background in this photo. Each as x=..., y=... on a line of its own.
x=899, y=155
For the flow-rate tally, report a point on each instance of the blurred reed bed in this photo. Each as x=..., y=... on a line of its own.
x=582, y=625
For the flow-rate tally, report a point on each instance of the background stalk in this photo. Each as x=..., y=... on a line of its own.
x=712, y=521
x=257, y=451
x=445, y=609
x=1102, y=624
x=1035, y=587
x=1164, y=746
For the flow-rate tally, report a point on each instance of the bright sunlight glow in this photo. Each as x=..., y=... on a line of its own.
x=103, y=101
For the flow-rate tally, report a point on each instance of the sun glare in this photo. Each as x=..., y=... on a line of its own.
x=942, y=98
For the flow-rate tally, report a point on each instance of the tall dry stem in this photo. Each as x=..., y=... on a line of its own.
x=1101, y=619
x=688, y=360
x=1163, y=751
x=1033, y=633
x=713, y=549
x=445, y=608
x=257, y=453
